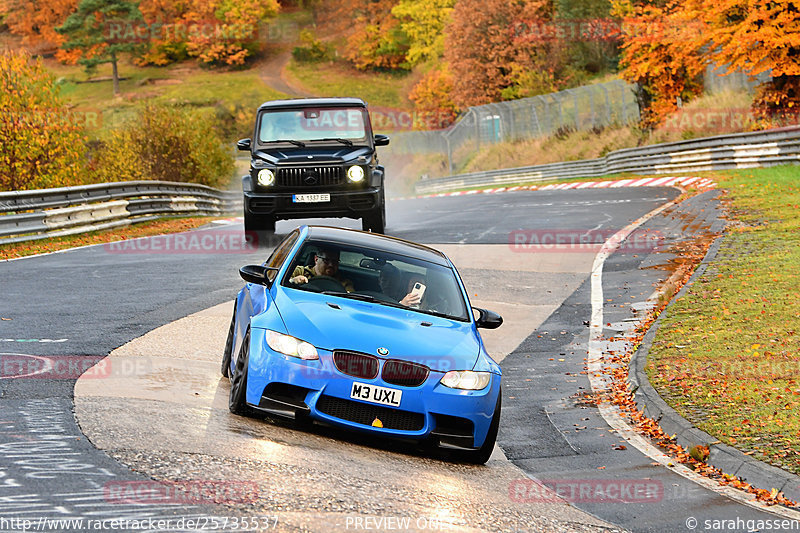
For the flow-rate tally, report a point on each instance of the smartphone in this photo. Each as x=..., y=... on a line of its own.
x=419, y=289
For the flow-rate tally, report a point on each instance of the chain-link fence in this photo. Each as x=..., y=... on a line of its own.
x=718, y=79
x=582, y=108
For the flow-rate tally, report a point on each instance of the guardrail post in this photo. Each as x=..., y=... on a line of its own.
x=575, y=103
x=449, y=155
x=477, y=130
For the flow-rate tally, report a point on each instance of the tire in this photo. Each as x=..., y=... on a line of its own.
x=258, y=224
x=237, y=400
x=376, y=220
x=227, y=354
x=482, y=454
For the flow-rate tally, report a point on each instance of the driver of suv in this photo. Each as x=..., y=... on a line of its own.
x=326, y=263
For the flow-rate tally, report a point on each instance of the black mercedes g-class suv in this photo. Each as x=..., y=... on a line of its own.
x=313, y=157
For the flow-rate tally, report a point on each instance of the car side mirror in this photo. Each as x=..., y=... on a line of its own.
x=257, y=274
x=487, y=319
x=381, y=140
x=243, y=145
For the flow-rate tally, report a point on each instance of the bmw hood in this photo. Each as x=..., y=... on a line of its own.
x=333, y=323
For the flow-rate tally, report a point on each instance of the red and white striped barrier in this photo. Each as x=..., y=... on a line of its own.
x=669, y=181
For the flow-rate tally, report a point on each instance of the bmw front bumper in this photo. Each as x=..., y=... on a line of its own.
x=287, y=386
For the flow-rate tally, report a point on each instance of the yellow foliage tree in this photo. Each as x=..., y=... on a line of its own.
x=41, y=143
x=423, y=21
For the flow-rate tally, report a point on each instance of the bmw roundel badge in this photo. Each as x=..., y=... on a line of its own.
x=383, y=351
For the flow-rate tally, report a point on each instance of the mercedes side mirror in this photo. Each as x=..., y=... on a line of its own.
x=243, y=145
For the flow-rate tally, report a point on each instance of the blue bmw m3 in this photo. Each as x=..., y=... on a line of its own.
x=366, y=332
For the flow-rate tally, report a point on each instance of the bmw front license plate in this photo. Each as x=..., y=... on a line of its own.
x=311, y=198
x=375, y=394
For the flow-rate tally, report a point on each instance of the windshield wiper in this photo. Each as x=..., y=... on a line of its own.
x=348, y=142
x=296, y=143
x=363, y=298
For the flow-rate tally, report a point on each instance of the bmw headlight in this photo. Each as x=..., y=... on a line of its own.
x=289, y=345
x=355, y=174
x=266, y=177
x=466, y=379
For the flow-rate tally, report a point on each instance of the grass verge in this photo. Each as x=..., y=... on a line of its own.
x=378, y=89
x=144, y=229
x=727, y=353
x=216, y=93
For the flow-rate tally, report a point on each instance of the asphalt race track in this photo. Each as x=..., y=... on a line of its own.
x=63, y=453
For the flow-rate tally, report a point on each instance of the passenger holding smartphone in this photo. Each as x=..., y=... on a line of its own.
x=416, y=290
x=389, y=280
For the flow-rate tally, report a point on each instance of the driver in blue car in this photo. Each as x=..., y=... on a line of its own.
x=326, y=263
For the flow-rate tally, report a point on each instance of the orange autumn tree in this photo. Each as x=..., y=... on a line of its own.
x=662, y=53
x=490, y=60
x=166, y=45
x=433, y=107
x=378, y=41
x=216, y=32
x=36, y=21
x=228, y=29
x=756, y=36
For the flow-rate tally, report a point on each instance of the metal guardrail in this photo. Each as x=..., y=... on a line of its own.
x=739, y=150
x=44, y=213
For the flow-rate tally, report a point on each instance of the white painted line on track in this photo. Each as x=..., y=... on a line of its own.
x=598, y=381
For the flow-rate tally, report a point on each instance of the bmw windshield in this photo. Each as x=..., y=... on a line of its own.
x=340, y=124
x=378, y=277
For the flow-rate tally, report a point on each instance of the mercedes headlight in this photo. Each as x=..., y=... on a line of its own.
x=355, y=174
x=466, y=379
x=289, y=345
x=266, y=177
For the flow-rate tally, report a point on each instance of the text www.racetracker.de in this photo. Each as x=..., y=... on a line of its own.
x=198, y=523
